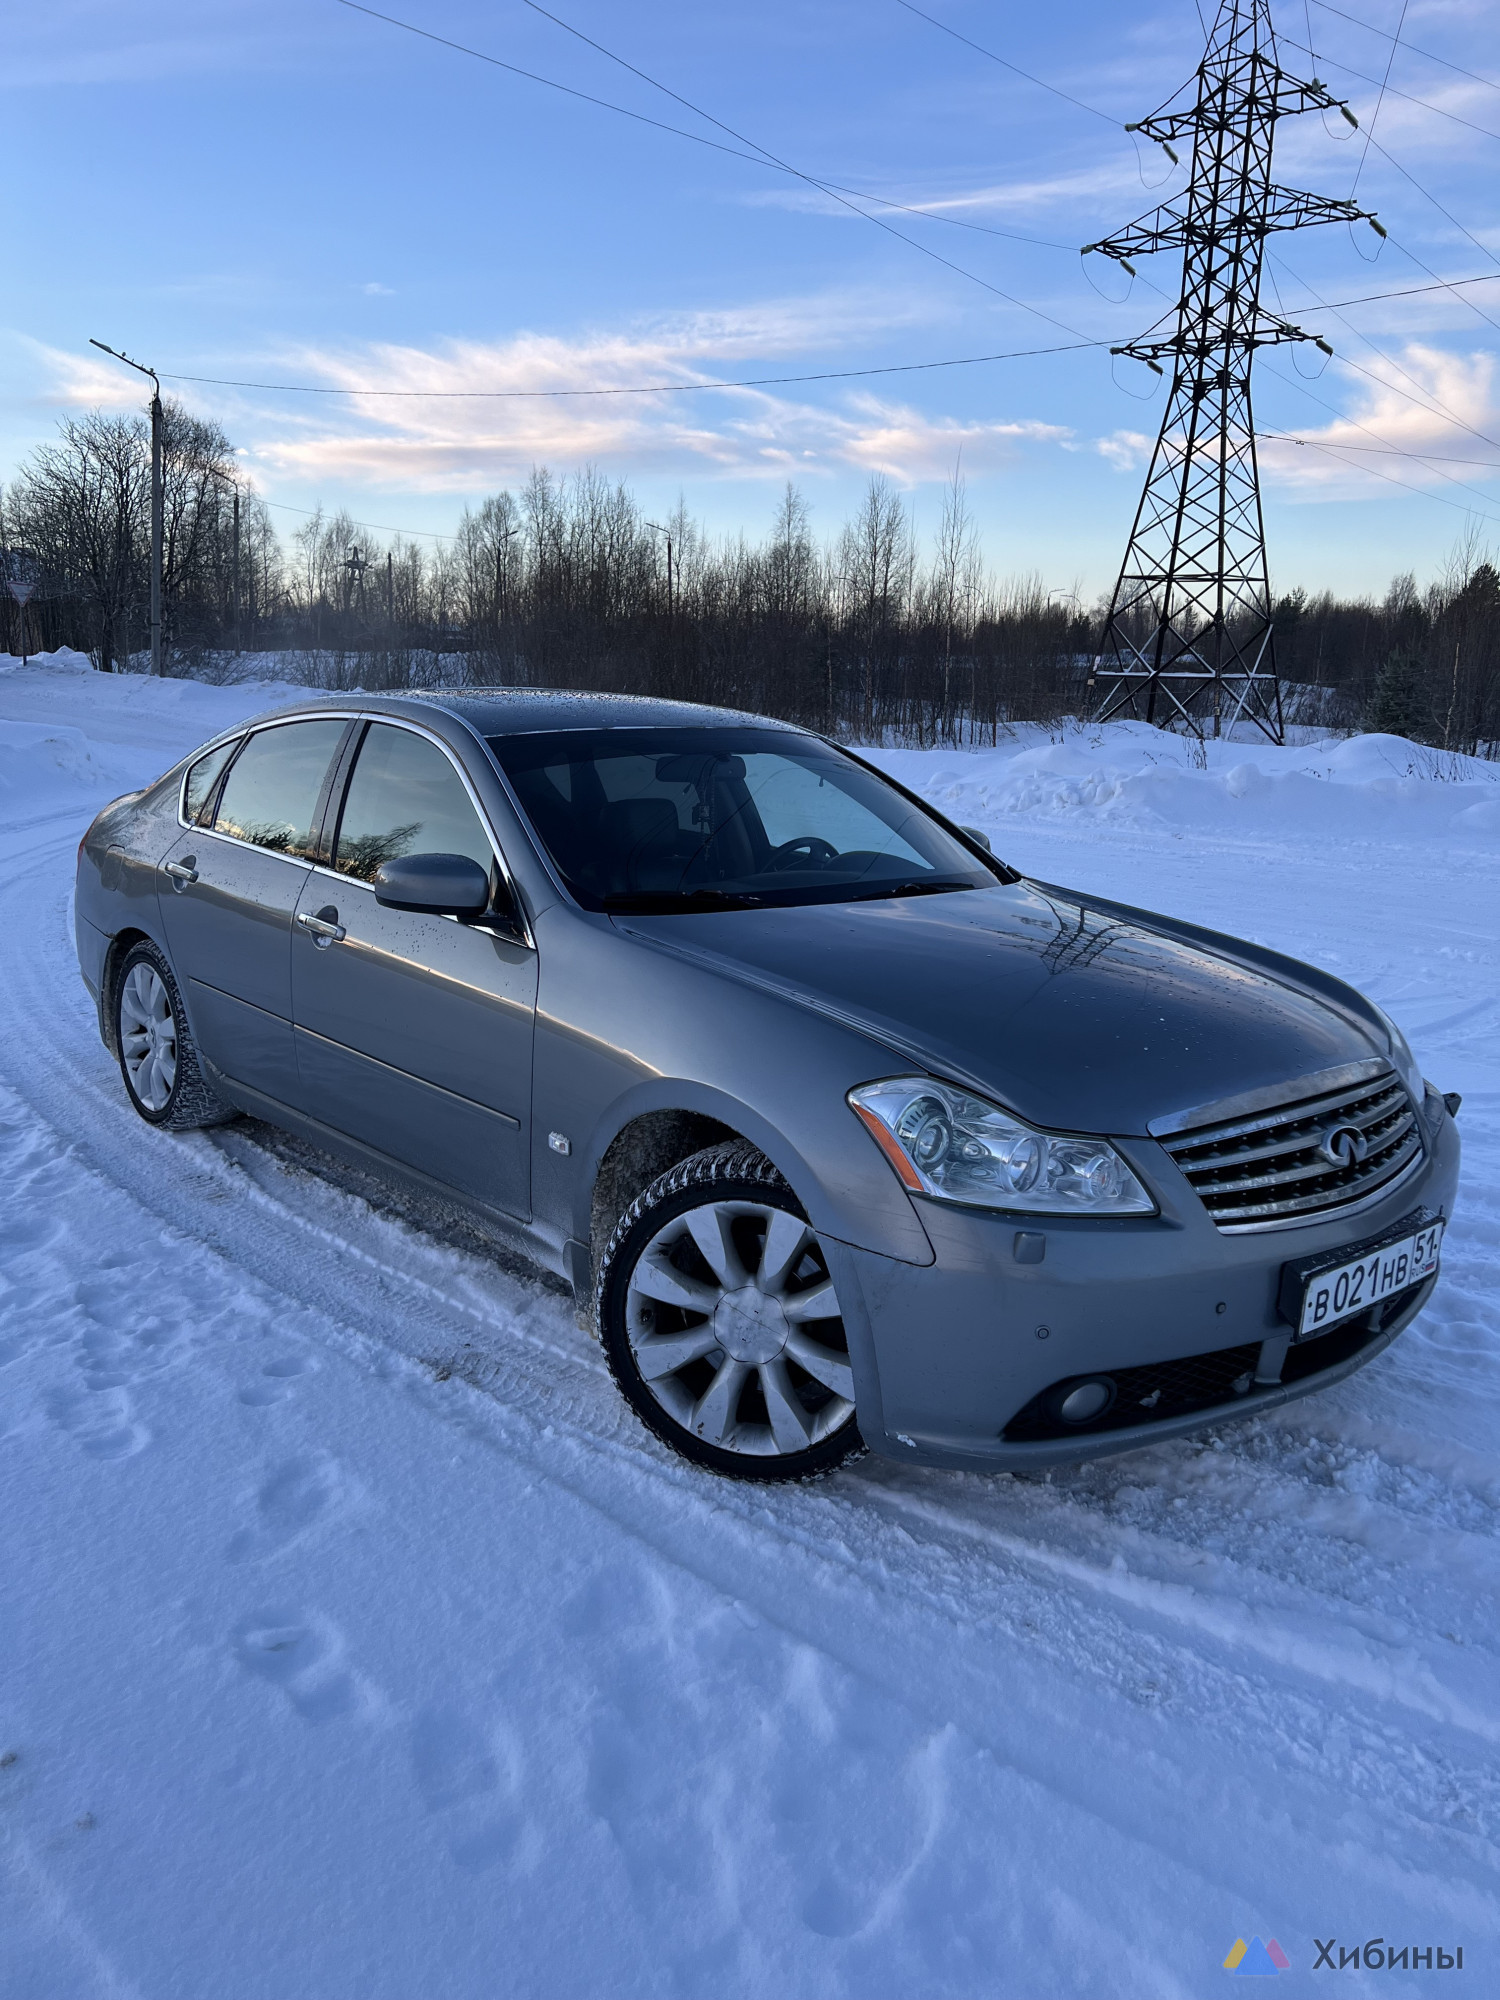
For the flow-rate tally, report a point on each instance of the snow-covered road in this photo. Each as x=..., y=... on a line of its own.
x=356, y=1643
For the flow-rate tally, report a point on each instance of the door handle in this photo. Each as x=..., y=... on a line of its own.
x=324, y=929
x=183, y=872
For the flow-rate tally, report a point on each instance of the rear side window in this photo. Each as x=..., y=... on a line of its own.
x=271, y=795
x=405, y=798
x=201, y=779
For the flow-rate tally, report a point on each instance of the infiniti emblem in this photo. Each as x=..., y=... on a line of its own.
x=1345, y=1145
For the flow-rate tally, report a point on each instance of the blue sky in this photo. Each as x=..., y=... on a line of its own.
x=299, y=193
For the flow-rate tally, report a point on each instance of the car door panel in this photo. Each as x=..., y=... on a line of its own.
x=229, y=937
x=227, y=900
x=414, y=1035
x=413, y=1031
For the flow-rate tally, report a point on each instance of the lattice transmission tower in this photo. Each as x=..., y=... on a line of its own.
x=1188, y=639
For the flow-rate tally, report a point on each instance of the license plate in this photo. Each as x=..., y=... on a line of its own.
x=1346, y=1289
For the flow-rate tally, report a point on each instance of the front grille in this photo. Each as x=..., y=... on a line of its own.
x=1275, y=1167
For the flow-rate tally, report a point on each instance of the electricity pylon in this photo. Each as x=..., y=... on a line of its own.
x=1189, y=636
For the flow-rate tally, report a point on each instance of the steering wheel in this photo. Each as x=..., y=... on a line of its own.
x=811, y=848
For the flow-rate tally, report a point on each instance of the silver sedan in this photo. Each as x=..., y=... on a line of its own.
x=843, y=1133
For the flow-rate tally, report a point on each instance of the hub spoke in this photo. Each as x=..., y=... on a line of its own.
x=716, y=1410
x=791, y=1425
x=657, y=1279
x=785, y=1237
x=710, y=1230
x=819, y=1303
x=664, y=1353
x=831, y=1369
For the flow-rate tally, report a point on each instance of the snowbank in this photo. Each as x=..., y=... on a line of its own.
x=64, y=661
x=1363, y=788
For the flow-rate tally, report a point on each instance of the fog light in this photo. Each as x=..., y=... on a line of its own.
x=1086, y=1400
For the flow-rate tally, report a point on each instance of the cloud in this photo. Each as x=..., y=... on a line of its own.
x=376, y=291
x=1126, y=451
x=1427, y=401
x=481, y=421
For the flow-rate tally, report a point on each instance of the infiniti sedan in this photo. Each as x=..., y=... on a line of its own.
x=843, y=1132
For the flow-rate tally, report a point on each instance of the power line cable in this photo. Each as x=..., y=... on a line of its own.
x=1374, y=472
x=1005, y=63
x=1356, y=424
x=765, y=381
x=1394, y=451
x=636, y=389
x=1380, y=100
x=1428, y=195
x=1435, y=403
x=1390, y=88
x=1411, y=47
x=761, y=155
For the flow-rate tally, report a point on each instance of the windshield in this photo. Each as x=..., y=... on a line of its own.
x=656, y=820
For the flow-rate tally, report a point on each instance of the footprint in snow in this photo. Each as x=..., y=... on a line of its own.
x=275, y=1384
x=302, y=1655
x=292, y=1499
x=102, y=1420
x=468, y=1782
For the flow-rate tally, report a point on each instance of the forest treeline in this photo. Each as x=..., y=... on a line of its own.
x=566, y=583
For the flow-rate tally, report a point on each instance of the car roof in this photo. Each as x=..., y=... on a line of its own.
x=510, y=711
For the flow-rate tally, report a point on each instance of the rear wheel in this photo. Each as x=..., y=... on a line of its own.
x=164, y=1075
x=721, y=1324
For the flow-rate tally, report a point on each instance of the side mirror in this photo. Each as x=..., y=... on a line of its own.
x=974, y=833
x=438, y=885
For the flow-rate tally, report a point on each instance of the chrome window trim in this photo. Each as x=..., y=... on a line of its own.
x=485, y=823
x=247, y=730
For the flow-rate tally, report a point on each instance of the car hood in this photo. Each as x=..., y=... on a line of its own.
x=1078, y=1014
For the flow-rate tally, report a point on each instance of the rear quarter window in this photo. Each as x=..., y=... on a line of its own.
x=198, y=786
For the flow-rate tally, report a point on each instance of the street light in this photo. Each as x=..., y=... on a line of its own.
x=156, y=495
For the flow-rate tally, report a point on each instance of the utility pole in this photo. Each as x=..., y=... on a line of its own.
x=1189, y=627
x=666, y=534
x=157, y=499
x=239, y=646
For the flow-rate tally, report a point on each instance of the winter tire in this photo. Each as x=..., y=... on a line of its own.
x=159, y=1060
x=721, y=1325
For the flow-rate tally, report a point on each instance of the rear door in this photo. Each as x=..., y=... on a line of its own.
x=227, y=893
x=414, y=1032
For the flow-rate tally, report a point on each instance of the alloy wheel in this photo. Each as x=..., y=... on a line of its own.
x=735, y=1329
x=148, y=1036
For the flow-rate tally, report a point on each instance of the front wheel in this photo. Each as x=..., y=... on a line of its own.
x=721, y=1324
x=159, y=1059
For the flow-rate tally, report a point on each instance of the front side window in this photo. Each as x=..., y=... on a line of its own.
x=405, y=798
x=271, y=795
x=672, y=819
x=201, y=779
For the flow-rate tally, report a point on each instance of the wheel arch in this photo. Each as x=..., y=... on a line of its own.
x=119, y=948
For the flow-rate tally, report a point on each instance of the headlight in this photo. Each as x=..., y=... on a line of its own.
x=1405, y=1063
x=944, y=1143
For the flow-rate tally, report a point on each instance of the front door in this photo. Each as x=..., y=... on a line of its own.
x=414, y=1032
x=227, y=893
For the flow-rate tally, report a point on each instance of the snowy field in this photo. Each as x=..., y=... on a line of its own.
x=356, y=1643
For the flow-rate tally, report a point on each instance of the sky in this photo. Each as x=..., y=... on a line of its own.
x=305, y=194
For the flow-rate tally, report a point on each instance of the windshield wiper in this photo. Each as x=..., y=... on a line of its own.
x=923, y=885
x=664, y=902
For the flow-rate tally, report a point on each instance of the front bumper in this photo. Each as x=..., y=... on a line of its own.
x=951, y=1353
